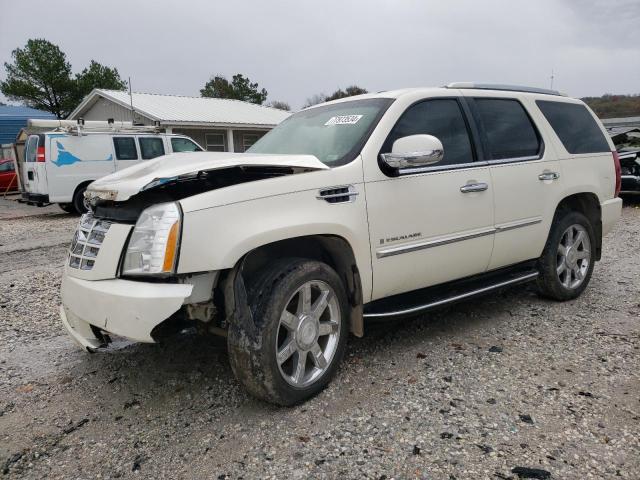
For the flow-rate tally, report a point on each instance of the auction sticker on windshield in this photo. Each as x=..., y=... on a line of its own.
x=344, y=120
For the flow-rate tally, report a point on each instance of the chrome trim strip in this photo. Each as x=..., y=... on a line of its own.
x=500, y=161
x=399, y=249
x=504, y=227
x=455, y=298
x=337, y=195
x=439, y=168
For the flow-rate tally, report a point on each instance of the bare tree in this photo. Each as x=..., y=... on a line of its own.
x=314, y=100
x=280, y=105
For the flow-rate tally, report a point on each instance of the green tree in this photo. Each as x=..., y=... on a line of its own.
x=347, y=92
x=40, y=76
x=280, y=105
x=240, y=88
x=97, y=76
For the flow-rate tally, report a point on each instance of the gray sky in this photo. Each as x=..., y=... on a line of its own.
x=298, y=48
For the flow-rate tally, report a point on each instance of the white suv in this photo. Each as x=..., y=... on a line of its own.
x=379, y=205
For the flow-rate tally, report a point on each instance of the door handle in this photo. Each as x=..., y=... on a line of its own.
x=548, y=176
x=474, y=187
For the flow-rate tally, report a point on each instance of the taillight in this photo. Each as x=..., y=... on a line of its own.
x=40, y=154
x=616, y=166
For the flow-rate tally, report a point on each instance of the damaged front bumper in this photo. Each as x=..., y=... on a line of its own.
x=125, y=308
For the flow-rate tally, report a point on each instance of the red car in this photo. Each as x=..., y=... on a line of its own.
x=8, y=179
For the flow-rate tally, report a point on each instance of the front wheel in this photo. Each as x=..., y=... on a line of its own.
x=67, y=207
x=79, y=203
x=299, y=310
x=568, y=258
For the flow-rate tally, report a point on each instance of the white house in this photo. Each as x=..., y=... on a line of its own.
x=216, y=124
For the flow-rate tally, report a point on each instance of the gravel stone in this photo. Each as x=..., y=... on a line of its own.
x=174, y=410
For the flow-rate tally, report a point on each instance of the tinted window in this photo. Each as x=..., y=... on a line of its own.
x=578, y=131
x=151, y=147
x=125, y=148
x=509, y=131
x=184, y=145
x=442, y=119
x=6, y=167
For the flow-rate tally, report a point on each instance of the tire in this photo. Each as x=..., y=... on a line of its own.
x=564, y=276
x=67, y=207
x=294, y=355
x=78, y=200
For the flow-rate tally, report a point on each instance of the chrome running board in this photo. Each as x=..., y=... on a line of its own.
x=522, y=278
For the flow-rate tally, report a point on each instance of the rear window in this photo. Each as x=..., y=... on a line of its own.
x=31, y=149
x=509, y=130
x=184, y=145
x=151, y=147
x=125, y=148
x=575, y=126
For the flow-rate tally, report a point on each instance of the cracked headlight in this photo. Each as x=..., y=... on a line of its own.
x=153, y=245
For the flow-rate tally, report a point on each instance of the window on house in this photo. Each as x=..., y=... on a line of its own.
x=151, y=147
x=248, y=139
x=215, y=142
x=125, y=148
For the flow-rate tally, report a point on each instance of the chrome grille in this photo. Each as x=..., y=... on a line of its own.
x=86, y=242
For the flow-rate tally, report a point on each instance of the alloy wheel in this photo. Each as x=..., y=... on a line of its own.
x=308, y=334
x=573, y=256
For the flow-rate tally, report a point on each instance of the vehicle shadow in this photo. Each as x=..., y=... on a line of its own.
x=195, y=369
x=630, y=199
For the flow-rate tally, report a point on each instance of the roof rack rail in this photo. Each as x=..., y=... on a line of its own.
x=508, y=88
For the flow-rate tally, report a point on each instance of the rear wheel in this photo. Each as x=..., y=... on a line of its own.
x=299, y=311
x=67, y=207
x=567, y=261
x=79, y=202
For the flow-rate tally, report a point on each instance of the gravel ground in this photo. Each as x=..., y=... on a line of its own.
x=470, y=392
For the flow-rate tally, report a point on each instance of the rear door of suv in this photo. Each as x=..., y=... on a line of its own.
x=525, y=172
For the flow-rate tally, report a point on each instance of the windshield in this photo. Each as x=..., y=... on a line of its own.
x=334, y=134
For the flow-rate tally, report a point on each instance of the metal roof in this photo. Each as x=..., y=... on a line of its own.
x=173, y=109
x=13, y=118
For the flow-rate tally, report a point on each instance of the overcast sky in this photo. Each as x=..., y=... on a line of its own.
x=297, y=48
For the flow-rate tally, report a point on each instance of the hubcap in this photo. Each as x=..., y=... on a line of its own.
x=573, y=257
x=308, y=333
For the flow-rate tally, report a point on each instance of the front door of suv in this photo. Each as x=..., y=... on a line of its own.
x=526, y=177
x=426, y=227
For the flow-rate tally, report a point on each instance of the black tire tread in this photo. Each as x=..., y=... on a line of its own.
x=547, y=283
x=253, y=367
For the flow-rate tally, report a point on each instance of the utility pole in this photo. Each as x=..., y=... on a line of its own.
x=131, y=100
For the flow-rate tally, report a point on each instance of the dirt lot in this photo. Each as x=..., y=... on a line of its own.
x=466, y=393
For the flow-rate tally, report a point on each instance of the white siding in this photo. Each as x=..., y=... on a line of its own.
x=104, y=109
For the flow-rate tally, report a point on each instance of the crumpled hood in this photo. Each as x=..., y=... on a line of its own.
x=125, y=183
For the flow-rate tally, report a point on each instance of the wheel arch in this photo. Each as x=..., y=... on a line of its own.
x=333, y=250
x=588, y=204
x=84, y=183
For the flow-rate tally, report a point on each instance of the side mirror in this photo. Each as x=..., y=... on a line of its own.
x=414, y=151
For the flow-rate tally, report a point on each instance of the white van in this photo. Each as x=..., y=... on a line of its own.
x=60, y=164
